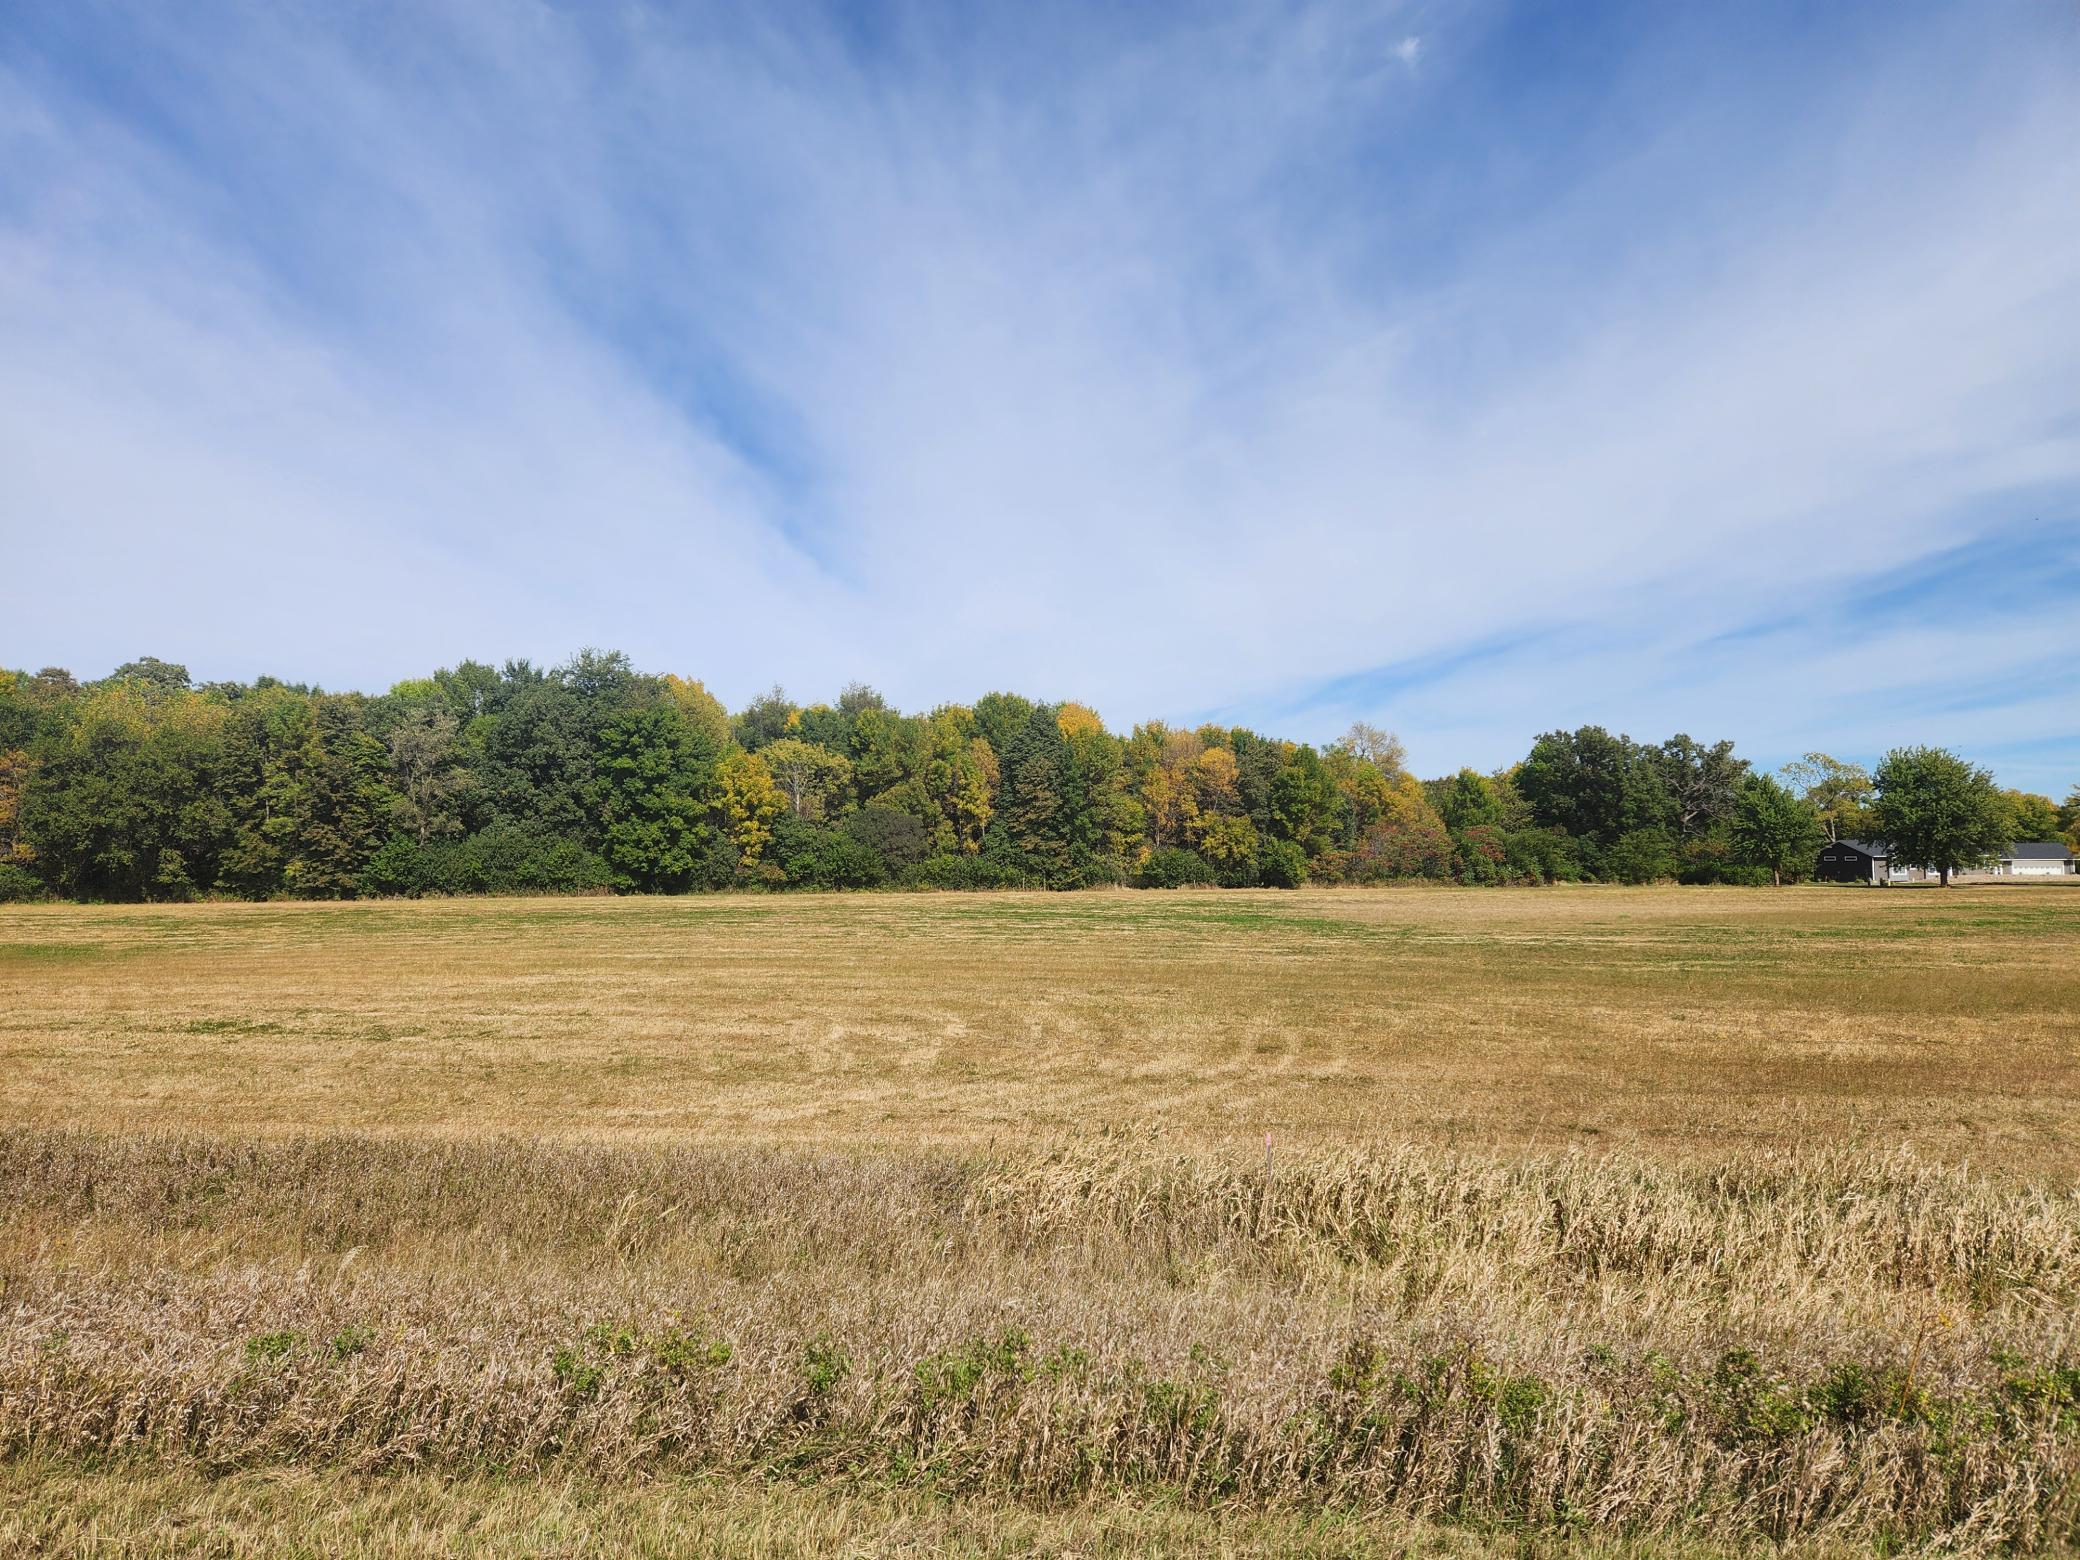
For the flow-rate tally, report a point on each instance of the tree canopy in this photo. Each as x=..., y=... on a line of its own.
x=1935, y=810
x=593, y=776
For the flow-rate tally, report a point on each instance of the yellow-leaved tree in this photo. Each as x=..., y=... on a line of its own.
x=751, y=804
x=700, y=709
x=960, y=776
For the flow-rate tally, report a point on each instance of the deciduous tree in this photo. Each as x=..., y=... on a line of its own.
x=1773, y=828
x=750, y=805
x=1841, y=793
x=808, y=776
x=1935, y=810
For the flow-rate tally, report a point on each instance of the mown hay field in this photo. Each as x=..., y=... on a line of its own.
x=1677, y=1021
x=893, y=1224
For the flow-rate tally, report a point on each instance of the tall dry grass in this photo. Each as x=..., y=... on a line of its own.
x=1823, y=1346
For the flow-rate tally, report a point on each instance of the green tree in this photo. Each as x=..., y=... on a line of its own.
x=1028, y=832
x=1000, y=717
x=1702, y=783
x=1468, y=800
x=898, y=838
x=1773, y=828
x=2030, y=816
x=1935, y=810
x=1594, y=786
x=342, y=807
x=653, y=776
x=261, y=771
x=1640, y=856
x=1304, y=802
x=153, y=676
x=427, y=773
x=768, y=718
x=1840, y=792
x=125, y=801
x=883, y=750
x=810, y=777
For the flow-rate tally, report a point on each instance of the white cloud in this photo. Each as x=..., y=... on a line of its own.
x=1141, y=369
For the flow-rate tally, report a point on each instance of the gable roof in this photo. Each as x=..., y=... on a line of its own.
x=2038, y=850
x=1868, y=847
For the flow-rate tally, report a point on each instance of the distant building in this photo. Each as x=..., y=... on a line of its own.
x=1851, y=861
x=1867, y=861
x=2033, y=858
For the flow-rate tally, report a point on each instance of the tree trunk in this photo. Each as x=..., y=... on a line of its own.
x=1776, y=878
x=1946, y=875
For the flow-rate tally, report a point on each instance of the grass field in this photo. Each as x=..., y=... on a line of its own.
x=1679, y=1021
x=894, y=1224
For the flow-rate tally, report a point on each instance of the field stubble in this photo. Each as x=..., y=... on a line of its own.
x=1674, y=1021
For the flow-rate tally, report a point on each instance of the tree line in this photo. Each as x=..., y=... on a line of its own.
x=592, y=776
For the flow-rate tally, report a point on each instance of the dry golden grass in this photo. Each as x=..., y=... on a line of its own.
x=901, y=1225
x=1822, y=1346
x=279, y=1513
x=1671, y=1020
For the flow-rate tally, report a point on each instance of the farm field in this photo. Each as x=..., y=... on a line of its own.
x=895, y=1224
x=1677, y=1021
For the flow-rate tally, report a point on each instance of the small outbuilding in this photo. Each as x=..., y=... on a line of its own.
x=1851, y=861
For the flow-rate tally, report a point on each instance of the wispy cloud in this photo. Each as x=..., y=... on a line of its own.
x=1180, y=362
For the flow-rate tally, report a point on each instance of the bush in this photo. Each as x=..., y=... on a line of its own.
x=1542, y=856
x=965, y=872
x=1173, y=868
x=402, y=866
x=718, y=868
x=898, y=838
x=813, y=856
x=1643, y=856
x=1281, y=864
x=18, y=885
x=1480, y=855
x=1738, y=873
x=516, y=858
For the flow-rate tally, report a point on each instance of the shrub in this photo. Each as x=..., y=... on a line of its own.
x=1281, y=864
x=514, y=858
x=813, y=856
x=578, y=1376
x=685, y=1354
x=1643, y=856
x=401, y=866
x=1173, y=868
x=898, y=838
x=1542, y=856
x=18, y=885
x=965, y=872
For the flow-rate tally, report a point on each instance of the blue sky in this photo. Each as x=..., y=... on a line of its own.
x=1473, y=369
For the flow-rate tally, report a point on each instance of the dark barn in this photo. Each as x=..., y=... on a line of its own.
x=1850, y=861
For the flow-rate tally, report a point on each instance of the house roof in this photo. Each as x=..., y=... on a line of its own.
x=2038, y=850
x=1868, y=847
